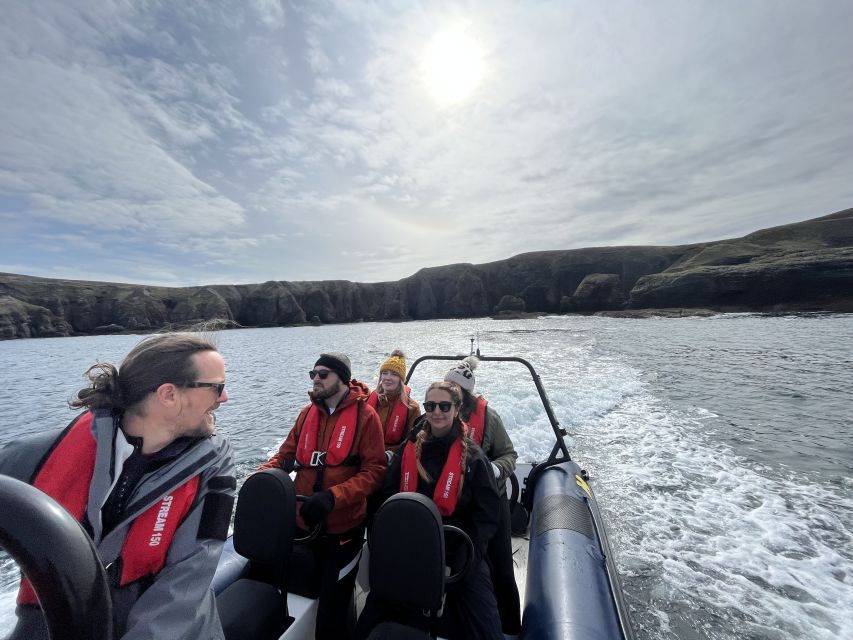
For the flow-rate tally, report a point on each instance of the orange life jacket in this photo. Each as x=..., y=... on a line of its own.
x=447, y=486
x=65, y=475
x=340, y=444
x=395, y=424
x=477, y=421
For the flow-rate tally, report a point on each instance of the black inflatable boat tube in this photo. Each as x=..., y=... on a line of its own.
x=568, y=591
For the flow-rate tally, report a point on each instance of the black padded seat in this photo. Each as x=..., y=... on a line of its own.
x=250, y=609
x=264, y=523
x=394, y=631
x=406, y=566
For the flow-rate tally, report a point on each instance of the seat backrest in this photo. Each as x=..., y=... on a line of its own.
x=407, y=553
x=265, y=521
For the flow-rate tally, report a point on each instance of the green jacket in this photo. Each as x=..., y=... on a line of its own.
x=498, y=447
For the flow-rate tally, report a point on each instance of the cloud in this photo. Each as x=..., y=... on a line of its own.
x=249, y=141
x=78, y=146
x=270, y=12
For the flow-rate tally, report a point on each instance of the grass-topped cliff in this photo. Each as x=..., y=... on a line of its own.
x=806, y=266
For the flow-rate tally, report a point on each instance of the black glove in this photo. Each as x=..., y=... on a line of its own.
x=317, y=507
x=288, y=464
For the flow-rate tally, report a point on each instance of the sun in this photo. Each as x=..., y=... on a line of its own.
x=452, y=66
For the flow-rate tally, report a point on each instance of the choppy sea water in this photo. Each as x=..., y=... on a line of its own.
x=720, y=449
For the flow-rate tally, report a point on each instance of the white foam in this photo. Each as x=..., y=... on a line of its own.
x=709, y=544
x=760, y=553
x=709, y=541
x=9, y=592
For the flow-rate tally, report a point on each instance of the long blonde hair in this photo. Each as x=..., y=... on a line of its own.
x=404, y=397
x=397, y=360
x=453, y=391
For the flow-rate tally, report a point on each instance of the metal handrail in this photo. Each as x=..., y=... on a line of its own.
x=559, y=432
x=554, y=458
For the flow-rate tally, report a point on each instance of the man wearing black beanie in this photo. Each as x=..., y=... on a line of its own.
x=338, y=450
x=338, y=363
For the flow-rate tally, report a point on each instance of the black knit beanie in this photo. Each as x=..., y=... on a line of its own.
x=338, y=363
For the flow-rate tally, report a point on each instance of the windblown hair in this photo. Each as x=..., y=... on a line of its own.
x=453, y=391
x=154, y=361
x=469, y=403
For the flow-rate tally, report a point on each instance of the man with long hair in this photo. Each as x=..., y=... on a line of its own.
x=145, y=472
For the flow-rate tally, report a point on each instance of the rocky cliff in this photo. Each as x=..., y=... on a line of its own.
x=806, y=266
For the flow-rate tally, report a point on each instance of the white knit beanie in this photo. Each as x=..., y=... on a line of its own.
x=463, y=373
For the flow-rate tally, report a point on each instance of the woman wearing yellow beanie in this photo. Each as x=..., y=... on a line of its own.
x=397, y=410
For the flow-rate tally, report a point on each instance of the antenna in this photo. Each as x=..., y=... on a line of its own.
x=472, y=346
x=478, y=342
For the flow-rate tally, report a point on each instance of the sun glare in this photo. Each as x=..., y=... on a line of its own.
x=453, y=66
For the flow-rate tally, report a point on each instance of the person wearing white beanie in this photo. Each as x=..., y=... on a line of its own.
x=486, y=428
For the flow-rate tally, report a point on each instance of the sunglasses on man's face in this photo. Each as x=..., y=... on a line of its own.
x=429, y=407
x=219, y=387
x=314, y=373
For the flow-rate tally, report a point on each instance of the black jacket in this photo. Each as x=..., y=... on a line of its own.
x=478, y=506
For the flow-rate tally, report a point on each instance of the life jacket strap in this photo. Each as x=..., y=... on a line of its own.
x=318, y=460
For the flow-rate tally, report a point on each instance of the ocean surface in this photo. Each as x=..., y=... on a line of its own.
x=720, y=449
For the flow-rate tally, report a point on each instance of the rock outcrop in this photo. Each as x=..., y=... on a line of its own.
x=510, y=304
x=807, y=266
x=597, y=291
x=19, y=319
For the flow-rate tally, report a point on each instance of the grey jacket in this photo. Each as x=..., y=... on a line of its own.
x=178, y=603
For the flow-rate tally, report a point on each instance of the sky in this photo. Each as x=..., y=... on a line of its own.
x=200, y=142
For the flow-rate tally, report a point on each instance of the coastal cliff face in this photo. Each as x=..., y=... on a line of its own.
x=806, y=266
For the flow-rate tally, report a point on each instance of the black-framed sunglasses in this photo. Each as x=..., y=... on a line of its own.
x=314, y=373
x=219, y=387
x=429, y=407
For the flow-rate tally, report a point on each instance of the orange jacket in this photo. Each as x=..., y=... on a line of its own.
x=350, y=485
x=384, y=410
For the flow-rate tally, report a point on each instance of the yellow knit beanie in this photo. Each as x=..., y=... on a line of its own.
x=396, y=363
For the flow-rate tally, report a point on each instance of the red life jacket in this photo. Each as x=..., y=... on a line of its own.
x=447, y=487
x=396, y=422
x=66, y=475
x=339, y=445
x=477, y=421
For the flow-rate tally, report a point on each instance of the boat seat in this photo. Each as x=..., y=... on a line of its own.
x=407, y=575
x=255, y=607
x=395, y=631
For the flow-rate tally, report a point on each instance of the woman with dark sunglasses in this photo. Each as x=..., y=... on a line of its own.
x=486, y=428
x=444, y=464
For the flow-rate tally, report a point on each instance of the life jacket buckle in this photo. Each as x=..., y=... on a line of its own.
x=318, y=458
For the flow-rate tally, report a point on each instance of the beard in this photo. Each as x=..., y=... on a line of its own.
x=322, y=394
x=203, y=428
